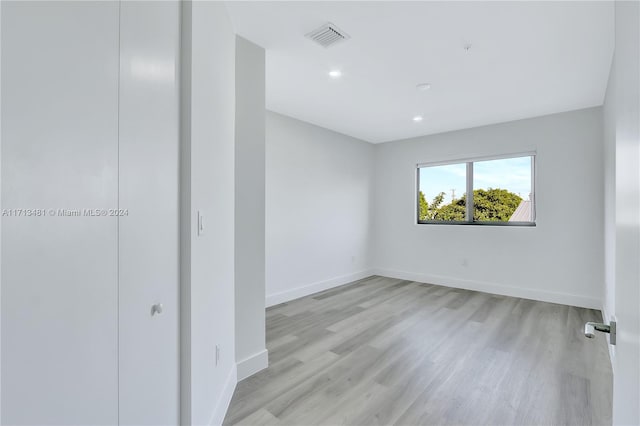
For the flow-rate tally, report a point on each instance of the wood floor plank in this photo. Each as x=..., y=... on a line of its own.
x=260, y=417
x=384, y=351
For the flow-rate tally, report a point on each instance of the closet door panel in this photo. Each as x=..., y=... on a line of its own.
x=59, y=153
x=148, y=230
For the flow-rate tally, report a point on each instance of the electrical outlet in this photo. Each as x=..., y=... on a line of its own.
x=217, y=354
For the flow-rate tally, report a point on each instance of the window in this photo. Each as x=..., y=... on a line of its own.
x=502, y=191
x=441, y=196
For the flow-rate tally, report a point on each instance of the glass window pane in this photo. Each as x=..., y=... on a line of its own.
x=502, y=190
x=441, y=192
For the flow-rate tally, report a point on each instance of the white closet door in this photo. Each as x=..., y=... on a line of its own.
x=148, y=234
x=59, y=151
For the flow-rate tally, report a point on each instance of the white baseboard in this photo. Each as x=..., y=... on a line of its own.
x=225, y=398
x=251, y=365
x=501, y=289
x=305, y=290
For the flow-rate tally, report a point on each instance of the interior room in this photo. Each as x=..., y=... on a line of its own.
x=320, y=212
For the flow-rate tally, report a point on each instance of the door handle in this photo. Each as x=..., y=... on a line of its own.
x=156, y=309
x=590, y=329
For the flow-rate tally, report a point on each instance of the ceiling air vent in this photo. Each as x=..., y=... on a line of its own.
x=327, y=35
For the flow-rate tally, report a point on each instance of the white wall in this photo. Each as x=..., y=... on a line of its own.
x=559, y=260
x=251, y=352
x=207, y=265
x=319, y=195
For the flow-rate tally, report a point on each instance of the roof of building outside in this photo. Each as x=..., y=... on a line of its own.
x=522, y=213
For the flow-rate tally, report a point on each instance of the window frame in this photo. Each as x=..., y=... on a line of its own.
x=469, y=190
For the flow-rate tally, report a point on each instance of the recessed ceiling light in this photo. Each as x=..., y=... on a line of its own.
x=335, y=73
x=418, y=118
x=423, y=86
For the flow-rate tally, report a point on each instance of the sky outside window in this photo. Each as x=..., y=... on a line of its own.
x=450, y=179
x=512, y=174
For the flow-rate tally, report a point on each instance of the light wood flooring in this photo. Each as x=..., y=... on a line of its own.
x=384, y=351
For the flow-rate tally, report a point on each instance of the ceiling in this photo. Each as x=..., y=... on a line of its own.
x=526, y=59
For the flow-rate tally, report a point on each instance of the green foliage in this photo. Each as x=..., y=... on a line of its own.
x=454, y=211
x=424, y=207
x=428, y=212
x=435, y=204
x=493, y=204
